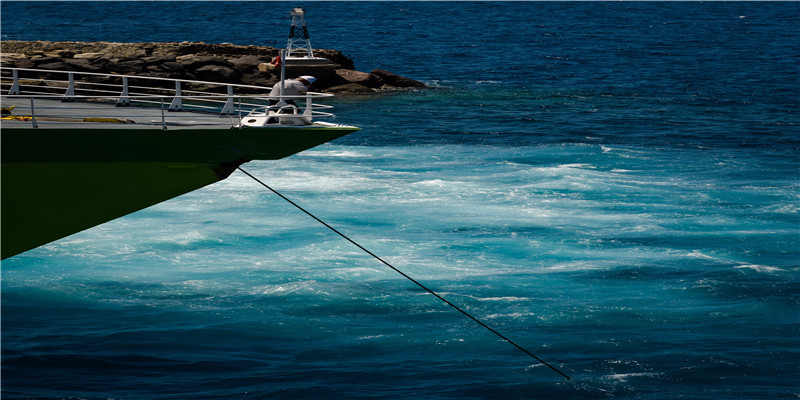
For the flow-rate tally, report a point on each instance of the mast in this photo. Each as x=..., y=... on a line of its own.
x=299, y=44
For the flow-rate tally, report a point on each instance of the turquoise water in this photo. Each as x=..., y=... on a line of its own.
x=612, y=186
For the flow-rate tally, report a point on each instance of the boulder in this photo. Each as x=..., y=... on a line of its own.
x=171, y=66
x=10, y=60
x=88, y=55
x=13, y=56
x=101, y=62
x=194, y=62
x=121, y=50
x=84, y=65
x=397, y=80
x=361, y=78
x=39, y=60
x=50, y=63
x=248, y=62
x=60, y=54
x=218, y=73
x=23, y=63
x=349, y=88
x=126, y=66
x=158, y=60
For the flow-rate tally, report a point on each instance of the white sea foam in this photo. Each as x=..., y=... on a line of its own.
x=759, y=268
x=788, y=209
x=284, y=289
x=699, y=254
x=575, y=266
x=577, y=166
x=513, y=315
x=433, y=182
x=370, y=337
x=735, y=264
x=503, y=299
x=341, y=153
x=625, y=377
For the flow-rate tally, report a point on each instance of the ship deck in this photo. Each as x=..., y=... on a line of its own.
x=53, y=113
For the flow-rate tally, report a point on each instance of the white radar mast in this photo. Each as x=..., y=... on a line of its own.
x=299, y=44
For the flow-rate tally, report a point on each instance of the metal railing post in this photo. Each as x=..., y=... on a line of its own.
x=70, y=94
x=33, y=115
x=15, y=85
x=309, y=104
x=163, y=117
x=228, y=108
x=240, y=114
x=123, y=100
x=177, y=103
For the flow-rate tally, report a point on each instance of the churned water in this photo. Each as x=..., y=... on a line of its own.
x=613, y=186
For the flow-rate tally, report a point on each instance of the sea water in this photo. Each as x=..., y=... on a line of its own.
x=613, y=186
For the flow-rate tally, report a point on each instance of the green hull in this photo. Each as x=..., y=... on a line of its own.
x=56, y=182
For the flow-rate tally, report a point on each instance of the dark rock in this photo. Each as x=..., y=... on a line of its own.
x=149, y=48
x=23, y=63
x=45, y=60
x=90, y=56
x=157, y=60
x=84, y=65
x=126, y=66
x=397, y=80
x=101, y=62
x=218, y=73
x=248, y=62
x=361, y=78
x=60, y=54
x=172, y=67
x=55, y=65
x=195, y=62
x=350, y=88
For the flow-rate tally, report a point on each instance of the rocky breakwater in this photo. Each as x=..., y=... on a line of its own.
x=226, y=63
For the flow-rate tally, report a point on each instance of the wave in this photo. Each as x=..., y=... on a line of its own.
x=759, y=268
x=625, y=377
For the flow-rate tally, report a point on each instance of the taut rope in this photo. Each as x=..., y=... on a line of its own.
x=406, y=276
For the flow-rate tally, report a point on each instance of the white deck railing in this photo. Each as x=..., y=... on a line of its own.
x=21, y=84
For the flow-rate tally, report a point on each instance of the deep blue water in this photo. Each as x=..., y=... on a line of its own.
x=614, y=186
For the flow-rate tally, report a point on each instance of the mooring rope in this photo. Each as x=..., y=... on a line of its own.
x=405, y=275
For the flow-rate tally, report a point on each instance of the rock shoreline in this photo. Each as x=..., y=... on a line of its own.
x=226, y=63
